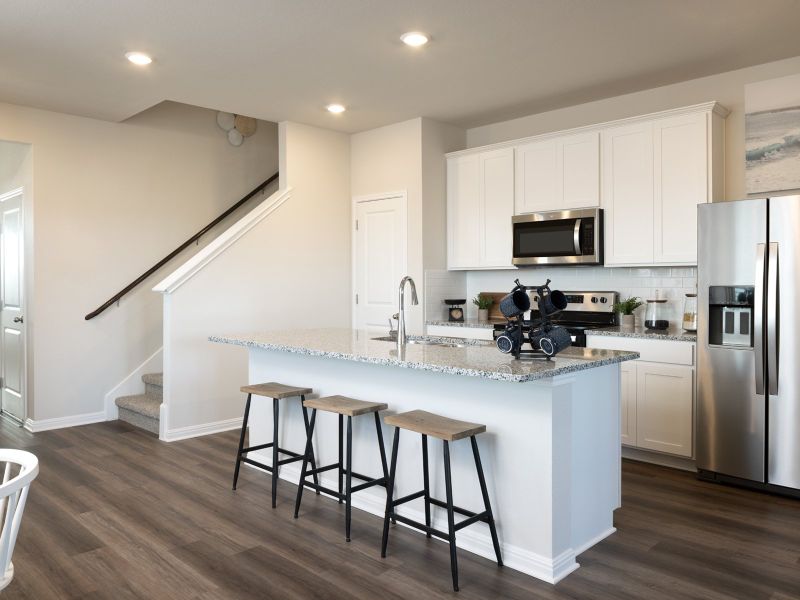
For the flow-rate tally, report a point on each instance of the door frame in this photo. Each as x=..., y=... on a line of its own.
x=402, y=195
x=20, y=191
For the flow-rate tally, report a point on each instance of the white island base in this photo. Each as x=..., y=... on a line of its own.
x=551, y=452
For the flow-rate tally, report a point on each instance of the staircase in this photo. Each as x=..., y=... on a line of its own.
x=142, y=410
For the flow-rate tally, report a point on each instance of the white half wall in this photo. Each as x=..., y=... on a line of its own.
x=108, y=200
x=291, y=269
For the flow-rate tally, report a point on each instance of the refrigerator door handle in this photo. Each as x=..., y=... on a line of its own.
x=772, y=318
x=758, y=309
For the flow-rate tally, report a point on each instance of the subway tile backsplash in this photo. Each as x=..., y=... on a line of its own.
x=441, y=284
x=672, y=282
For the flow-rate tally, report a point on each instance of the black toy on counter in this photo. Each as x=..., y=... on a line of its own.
x=545, y=338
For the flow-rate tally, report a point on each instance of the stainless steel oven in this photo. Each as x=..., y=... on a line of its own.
x=563, y=237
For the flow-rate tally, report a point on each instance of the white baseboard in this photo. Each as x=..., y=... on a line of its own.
x=132, y=384
x=475, y=540
x=35, y=426
x=657, y=458
x=182, y=433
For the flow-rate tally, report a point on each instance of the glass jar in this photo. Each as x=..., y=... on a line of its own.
x=690, y=312
x=655, y=316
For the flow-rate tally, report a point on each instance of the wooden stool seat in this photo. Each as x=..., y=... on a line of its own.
x=342, y=405
x=275, y=390
x=433, y=425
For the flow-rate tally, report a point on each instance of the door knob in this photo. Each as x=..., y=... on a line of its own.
x=18, y=320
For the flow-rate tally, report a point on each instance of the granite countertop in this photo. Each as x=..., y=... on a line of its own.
x=673, y=333
x=469, y=358
x=474, y=323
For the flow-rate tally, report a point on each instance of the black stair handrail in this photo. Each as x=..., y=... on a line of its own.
x=116, y=297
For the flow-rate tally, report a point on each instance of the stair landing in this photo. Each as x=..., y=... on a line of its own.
x=143, y=410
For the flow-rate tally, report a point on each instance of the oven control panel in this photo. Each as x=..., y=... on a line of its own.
x=586, y=301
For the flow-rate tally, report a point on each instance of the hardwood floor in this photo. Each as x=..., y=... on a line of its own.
x=117, y=514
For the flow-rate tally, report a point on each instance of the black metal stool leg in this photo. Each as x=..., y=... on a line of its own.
x=390, y=492
x=487, y=505
x=274, y=452
x=348, y=485
x=426, y=482
x=305, y=422
x=383, y=455
x=451, y=525
x=341, y=455
x=306, y=455
x=241, y=441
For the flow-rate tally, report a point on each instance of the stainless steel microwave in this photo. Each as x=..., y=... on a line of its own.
x=563, y=237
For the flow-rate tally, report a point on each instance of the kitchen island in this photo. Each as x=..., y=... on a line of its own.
x=551, y=452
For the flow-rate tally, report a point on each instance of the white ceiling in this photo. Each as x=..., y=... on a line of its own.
x=286, y=59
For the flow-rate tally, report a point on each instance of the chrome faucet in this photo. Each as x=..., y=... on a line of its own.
x=401, y=325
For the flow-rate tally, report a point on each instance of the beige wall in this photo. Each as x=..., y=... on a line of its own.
x=291, y=270
x=409, y=156
x=108, y=200
x=727, y=88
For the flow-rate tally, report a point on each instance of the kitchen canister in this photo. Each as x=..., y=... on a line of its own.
x=690, y=312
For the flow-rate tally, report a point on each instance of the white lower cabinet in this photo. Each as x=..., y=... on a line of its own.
x=628, y=400
x=664, y=408
x=459, y=331
x=656, y=394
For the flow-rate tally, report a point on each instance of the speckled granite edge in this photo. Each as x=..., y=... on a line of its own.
x=675, y=335
x=546, y=372
x=472, y=323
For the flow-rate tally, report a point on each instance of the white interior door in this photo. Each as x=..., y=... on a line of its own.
x=12, y=321
x=379, y=261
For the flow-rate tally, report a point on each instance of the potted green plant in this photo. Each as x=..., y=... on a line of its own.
x=625, y=310
x=484, y=303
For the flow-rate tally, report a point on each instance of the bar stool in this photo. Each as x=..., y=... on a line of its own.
x=344, y=407
x=276, y=391
x=447, y=430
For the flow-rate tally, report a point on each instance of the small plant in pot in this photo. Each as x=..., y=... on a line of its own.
x=625, y=310
x=484, y=303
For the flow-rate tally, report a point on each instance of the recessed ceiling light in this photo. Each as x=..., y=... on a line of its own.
x=415, y=39
x=335, y=108
x=138, y=58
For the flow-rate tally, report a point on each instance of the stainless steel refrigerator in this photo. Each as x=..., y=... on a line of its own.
x=748, y=343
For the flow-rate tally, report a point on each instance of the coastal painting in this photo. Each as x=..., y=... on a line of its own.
x=772, y=135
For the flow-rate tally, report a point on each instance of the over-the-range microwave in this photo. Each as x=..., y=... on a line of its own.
x=562, y=237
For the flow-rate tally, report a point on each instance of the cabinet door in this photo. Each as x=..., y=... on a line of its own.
x=628, y=403
x=681, y=183
x=579, y=156
x=538, y=182
x=628, y=193
x=463, y=201
x=664, y=406
x=496, y=207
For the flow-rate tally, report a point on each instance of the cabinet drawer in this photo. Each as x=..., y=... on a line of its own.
x=661, y=351
x=470, y=333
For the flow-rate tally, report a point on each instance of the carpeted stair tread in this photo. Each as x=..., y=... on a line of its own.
x=142, y=404
x=156, y=379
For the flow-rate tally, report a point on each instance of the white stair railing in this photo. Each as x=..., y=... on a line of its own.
x=21, y=468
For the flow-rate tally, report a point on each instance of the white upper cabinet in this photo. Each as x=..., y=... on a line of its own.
x=580, y=170
x=681, y=183
x=558, y=173
x=496, y=208
x=628, y=193
x=463, y=199
x=480, y=204
x=648, y=173
x=655, y=173
x=537, y=183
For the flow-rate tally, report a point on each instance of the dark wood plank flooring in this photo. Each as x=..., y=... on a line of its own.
x=117, y=514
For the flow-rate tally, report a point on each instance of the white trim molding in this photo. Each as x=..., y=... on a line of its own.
x=35, y=426
x=713, y=106
x=183, y=433
x=227, y=238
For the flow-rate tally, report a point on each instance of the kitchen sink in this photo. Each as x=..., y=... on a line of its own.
x=423, y=342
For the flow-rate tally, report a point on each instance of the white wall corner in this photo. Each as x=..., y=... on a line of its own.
x=226, y=239
x=132, y=384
